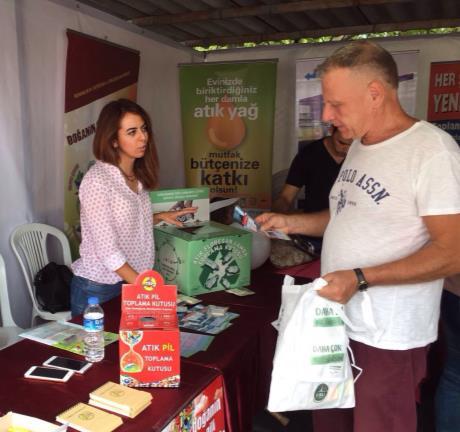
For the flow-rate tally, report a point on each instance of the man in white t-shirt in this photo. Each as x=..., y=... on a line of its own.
x=393, y=226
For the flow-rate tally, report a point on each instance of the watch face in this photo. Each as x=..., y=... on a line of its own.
x=362, y=286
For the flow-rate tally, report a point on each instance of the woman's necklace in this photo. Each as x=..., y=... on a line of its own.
x=130, y=178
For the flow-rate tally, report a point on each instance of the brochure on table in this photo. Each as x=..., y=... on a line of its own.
x=64, y=335
x=149, y=333
x=202, y=256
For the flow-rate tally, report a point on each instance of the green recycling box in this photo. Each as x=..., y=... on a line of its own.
x=202, y=256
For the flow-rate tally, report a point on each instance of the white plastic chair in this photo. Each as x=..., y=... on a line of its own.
x=9, y=331
x=29, y=245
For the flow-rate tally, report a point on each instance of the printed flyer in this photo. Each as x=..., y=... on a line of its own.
x=227, y=127
x=64, y=335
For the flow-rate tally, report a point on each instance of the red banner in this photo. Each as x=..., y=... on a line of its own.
x=444, y=97
x=97, y=72
x=96, y=68
x=206, y=413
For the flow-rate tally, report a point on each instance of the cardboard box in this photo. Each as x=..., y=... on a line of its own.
x=209, y=258
x=202, y=256
x=149, y=333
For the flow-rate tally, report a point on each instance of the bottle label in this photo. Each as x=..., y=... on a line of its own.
x=93, y=325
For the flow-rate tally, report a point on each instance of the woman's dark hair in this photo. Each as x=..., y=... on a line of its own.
x=107, y=126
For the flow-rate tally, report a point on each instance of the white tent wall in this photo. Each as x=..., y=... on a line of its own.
x=14, y=196
x=431, y=49
x=33, y=43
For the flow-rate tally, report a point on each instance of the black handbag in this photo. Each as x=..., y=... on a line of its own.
x=52, y=287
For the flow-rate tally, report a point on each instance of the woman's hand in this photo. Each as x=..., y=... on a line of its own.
x=127, y=273
x=170, y=217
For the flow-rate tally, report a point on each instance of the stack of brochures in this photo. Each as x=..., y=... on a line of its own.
x=206, y=319
x=85, y=418
x=120, y=399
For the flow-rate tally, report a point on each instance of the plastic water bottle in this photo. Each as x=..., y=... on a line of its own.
x=93, y=323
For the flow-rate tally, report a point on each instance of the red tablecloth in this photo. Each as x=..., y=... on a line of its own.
x=236, y=353
x=311, y=270
x=45, y=399
x=243, y=354
x=267, y=287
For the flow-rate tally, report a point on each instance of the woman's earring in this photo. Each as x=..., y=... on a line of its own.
x=115, y=145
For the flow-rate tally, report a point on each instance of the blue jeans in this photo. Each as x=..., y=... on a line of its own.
x=448, y=392
x=81, y=289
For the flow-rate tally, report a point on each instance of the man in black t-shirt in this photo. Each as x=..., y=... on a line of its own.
x=315, y=167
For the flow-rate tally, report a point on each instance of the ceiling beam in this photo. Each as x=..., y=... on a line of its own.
x=245, y=11
x=337, y=31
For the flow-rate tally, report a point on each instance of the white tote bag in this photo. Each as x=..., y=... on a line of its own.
x=311, y=367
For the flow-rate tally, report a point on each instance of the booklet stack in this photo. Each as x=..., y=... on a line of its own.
x=85, y=418
x=120, y=399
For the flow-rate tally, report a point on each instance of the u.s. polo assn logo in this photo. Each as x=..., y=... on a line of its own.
x=342, y=201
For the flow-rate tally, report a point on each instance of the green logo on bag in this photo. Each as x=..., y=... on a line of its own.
x=320, y=392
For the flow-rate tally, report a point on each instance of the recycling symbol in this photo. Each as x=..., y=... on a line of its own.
x=219, y=268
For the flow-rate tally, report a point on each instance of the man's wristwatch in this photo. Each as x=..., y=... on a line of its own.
x=362, y=282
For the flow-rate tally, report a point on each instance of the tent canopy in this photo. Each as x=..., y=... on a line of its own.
x=232, y=22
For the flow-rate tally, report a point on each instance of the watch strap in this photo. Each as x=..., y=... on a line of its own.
x=362, y=282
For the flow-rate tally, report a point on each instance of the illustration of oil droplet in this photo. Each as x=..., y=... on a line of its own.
x=227, y=130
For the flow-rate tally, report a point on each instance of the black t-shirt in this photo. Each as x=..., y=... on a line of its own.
x=314, y=168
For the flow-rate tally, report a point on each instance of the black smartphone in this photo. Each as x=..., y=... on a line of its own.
x=79, y=366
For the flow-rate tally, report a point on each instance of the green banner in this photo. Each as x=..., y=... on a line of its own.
x=227, y=127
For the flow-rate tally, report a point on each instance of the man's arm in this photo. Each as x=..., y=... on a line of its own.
x=436, y=260
x=313, y=224
x=285, y=200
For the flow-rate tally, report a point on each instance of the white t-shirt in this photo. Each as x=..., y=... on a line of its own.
x=376, y=206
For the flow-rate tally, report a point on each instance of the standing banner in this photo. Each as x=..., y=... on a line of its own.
x=205, y=413
x=96, y=73
x=227, y=126
x=309, y=100
x=444, y=97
